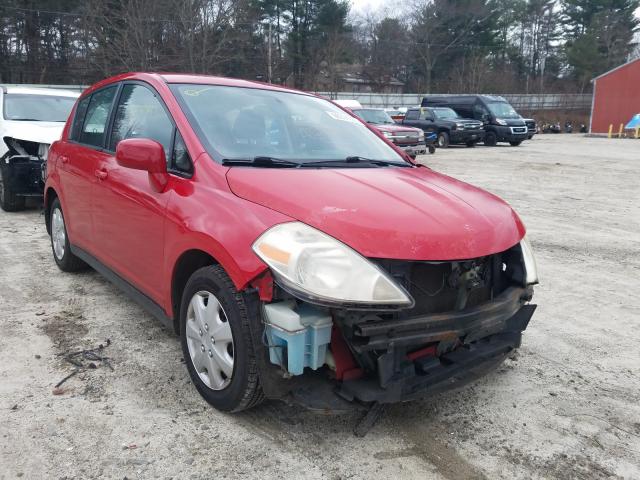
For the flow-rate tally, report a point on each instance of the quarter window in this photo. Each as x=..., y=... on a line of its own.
x=97, y=115
x=180, y=160
x=81, y=110
x=141, y=115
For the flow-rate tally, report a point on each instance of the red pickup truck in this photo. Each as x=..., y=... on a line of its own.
x=409, y=139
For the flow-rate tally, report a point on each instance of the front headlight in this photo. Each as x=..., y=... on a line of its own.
x=460, y=125
x=421, y=135
x=499, y=121
x=320, y=269
x=530, y=265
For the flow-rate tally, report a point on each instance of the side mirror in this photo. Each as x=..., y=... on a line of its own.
x=144, y=154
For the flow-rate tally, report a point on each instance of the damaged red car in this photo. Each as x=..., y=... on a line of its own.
x=298, y=255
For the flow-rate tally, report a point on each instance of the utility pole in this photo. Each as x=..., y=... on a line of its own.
x=269, y=56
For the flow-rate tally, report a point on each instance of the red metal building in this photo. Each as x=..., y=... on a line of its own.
x=616, y=97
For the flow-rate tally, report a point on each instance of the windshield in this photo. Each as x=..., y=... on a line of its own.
x=445, y=113
x=373, y=115
x=39, y=108
x=244, y=123
x=502, y=110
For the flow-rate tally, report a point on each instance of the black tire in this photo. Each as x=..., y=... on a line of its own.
x=443, y=140
x=9, y=201
x=471, y=144
x=490, y=139
x=515, y=144
x=432, y=149
x=244, y=390
x=67, y=262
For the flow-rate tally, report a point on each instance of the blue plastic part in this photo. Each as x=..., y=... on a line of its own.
x=303, y=348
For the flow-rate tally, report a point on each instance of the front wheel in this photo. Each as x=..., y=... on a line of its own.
x=432, y=149
x=443, y=140
x=515, y=144
x=65, y=259
x=490, y=139
x=9, y=201
x=216, y=341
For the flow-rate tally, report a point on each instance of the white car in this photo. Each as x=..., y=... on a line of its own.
x=32, y=119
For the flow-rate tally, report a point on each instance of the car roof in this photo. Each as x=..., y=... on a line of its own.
x=54, y=92
x=171, y=78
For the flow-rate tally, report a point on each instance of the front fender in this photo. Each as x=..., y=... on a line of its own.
x=220, y=224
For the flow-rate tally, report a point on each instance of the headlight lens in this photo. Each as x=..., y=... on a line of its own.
x=459, y=125
x=323, y=270
x=499, y=121
x=421, y=135
x=530, y=265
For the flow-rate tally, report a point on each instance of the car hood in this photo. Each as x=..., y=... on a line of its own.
x=398, y=213
x=514, y=122
x=40, y=132
x=393, y=128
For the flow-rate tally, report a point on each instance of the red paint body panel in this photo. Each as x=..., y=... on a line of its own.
x=400, y=213
x=141, y=232
x=616, y=97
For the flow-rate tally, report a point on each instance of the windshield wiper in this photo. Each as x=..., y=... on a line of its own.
x=260, y=161
x=358, y=161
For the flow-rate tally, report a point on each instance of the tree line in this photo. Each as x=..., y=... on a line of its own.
x=509, y=46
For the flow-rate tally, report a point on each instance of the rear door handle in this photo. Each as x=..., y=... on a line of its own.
x=101, y=174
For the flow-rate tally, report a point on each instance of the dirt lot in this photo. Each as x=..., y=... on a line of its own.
x=567, y=405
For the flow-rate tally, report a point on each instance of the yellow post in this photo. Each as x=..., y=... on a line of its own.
x=610, y=130
x=620, y=130
x=637, y=132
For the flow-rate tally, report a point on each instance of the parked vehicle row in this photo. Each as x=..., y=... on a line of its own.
x=469, y=119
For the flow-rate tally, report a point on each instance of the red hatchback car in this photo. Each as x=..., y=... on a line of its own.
x=298, y=254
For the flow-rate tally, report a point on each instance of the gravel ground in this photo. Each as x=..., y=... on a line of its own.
x=566, y=405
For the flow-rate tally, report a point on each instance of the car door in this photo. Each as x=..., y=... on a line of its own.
x=428, y=120
x=78, y=161
x=128, y=213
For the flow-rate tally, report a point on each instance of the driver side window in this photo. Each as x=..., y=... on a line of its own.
x=141, y=115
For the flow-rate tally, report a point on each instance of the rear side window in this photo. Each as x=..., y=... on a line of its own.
x=81, y=111
x=412, y=115
x=141, y=115
x=96, y=117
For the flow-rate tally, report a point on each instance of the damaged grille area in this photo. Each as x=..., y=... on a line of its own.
x=452, y=300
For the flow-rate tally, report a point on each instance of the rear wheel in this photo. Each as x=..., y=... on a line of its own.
x=9, y=201
x=515, y=144
x=65, y=259
x=490, y=139
x=216, y=341
x=443, y=140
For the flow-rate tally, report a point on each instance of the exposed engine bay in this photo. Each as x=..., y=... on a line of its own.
x=22, y=172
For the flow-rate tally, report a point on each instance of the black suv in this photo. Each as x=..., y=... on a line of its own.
x=447, y=124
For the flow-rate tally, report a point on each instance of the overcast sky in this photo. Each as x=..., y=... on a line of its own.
x=364, y=6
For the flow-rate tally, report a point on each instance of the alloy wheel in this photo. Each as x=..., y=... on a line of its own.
x=210, y=340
